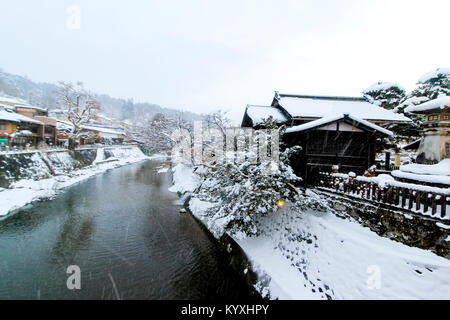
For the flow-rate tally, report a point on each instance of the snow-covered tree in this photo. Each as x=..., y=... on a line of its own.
x=80, y=106
x=156, y=134
x=430, y=86
x=127, y=110
x=433, y=84
x=385, y=94
x=244, y=191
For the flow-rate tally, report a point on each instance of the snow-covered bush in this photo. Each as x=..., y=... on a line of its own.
x=385, y=94
x=244, y=191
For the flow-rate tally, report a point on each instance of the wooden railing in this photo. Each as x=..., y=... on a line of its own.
x=428, y=201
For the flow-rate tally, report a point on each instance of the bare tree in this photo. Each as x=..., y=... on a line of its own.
x=218, y=119
x=80, y=106
x=156, y=134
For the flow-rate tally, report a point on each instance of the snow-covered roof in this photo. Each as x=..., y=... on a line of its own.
x=16, y=117
x=63, y=125
x=378, y=86
x=412, y=145
x=322, y=106
x=325, y=120
x=259, y=113
x=12, y=100
x=26, y=106
x=433, y=74
x=439, y=103
x=104, y=130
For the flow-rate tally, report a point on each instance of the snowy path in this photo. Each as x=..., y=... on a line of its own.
x=315, y=255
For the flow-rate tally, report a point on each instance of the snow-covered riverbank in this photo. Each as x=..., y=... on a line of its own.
x=26, y=191
x=316, y=255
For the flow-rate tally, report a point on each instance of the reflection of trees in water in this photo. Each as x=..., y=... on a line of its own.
x=147, y=174
x=75, y=232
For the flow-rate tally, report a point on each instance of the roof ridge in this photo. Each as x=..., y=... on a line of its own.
x=344, y=98
x=259, y=105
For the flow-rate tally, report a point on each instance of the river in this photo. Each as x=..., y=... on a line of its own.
x=125, y=232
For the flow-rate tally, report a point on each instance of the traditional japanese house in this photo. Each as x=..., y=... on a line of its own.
x=333, y=131
x=42, y=129
x=343, y=141
x=48, y=130
x=17, y=129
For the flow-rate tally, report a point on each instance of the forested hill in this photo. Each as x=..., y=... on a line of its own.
x=43, y=94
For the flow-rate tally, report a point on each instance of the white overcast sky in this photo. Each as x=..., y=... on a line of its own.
x=205, y=55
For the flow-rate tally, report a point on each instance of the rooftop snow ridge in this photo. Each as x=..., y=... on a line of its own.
x=343, y=98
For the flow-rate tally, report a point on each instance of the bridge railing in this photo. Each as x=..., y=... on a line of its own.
x=428, y=201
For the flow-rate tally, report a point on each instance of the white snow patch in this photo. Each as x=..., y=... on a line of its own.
x=184, y=180
x=302, y=253
x=439, y=103
x=441, y=168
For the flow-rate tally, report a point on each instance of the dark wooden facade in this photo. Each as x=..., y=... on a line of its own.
x=344, y=142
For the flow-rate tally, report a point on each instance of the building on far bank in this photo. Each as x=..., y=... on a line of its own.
x=17, y=129
x=34, y=124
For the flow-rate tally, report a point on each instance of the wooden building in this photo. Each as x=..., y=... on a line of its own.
x=47, y=132
x=33, y=123
x=17, y=129
x=333, y=131
x=344, y=142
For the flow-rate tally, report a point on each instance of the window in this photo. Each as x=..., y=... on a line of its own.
x=433, y=118
x=2, y=126
x=446, y=117
x=48, y=130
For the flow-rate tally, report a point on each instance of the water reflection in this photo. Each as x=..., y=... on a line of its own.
x=125, y=232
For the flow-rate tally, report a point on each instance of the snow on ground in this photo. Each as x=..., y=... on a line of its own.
x=441, y=168
x=319, y=256
x=26, y=191
x=184, y=179
x=441, y=179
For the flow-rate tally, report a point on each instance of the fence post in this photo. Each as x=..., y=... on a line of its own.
x=387, y=161
x=418, y=195
x=443, y=205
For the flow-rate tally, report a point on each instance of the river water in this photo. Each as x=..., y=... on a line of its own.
x=125, y=232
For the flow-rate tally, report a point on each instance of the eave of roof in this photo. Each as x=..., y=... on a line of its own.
x=327, y=120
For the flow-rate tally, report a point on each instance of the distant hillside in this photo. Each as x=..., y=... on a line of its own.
x=43, y=95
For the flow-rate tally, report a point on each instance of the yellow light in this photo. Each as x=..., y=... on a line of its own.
x=280, y=203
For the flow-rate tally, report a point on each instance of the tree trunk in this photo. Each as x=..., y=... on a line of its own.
x=71, y=144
